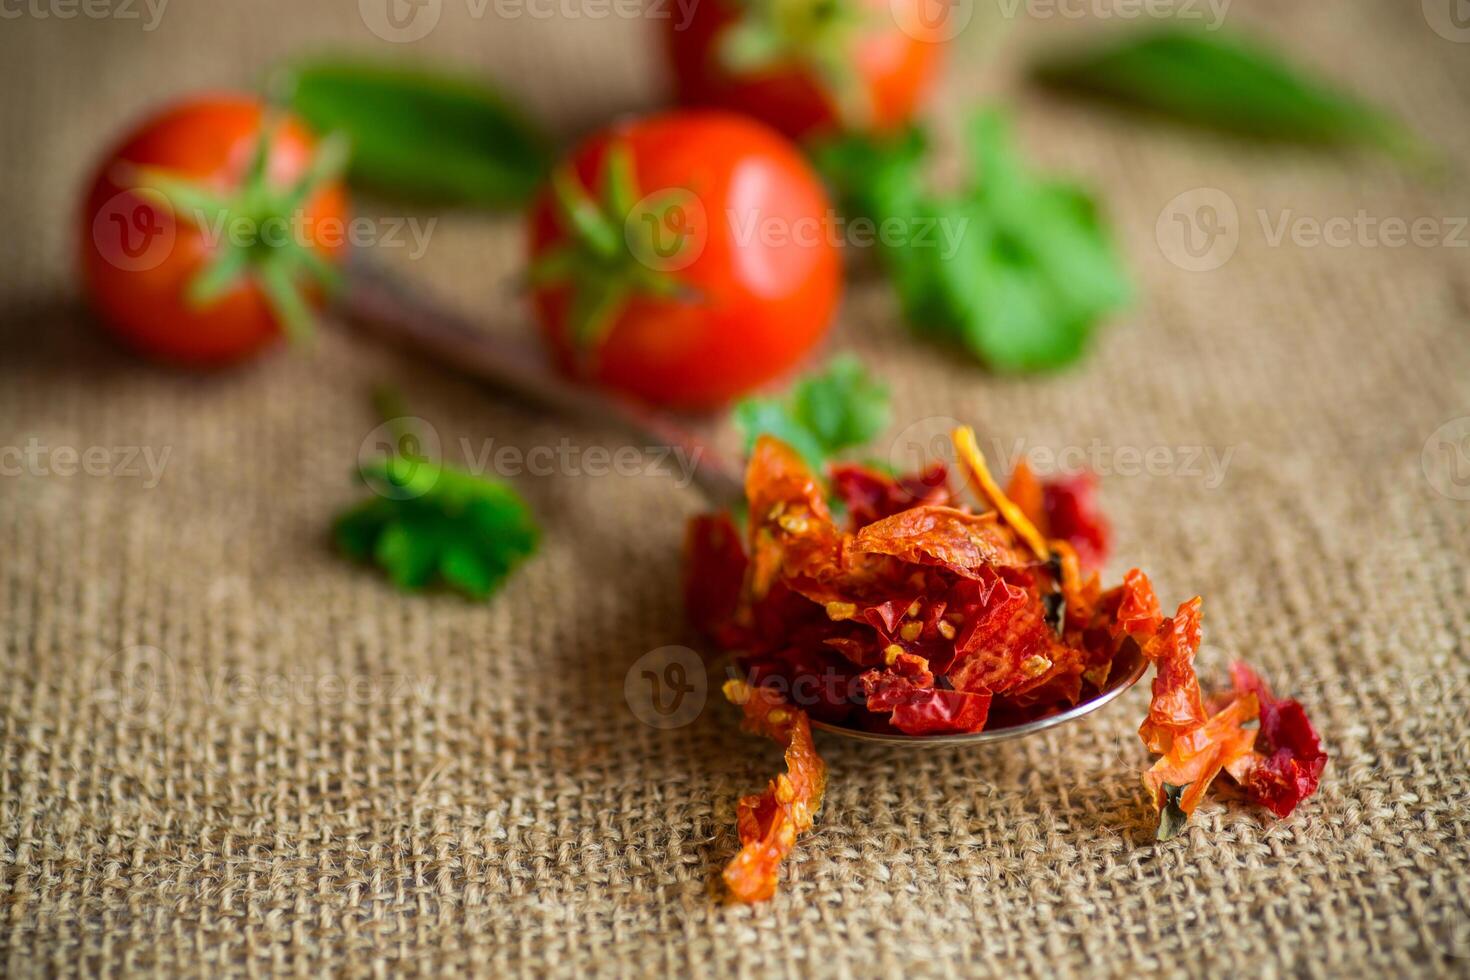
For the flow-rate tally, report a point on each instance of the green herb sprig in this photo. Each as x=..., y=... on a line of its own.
x=825, y=413
x=429, y=521
x=1018, y=269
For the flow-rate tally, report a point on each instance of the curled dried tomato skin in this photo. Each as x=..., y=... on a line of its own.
x=961, y=542
x=1287, y=765
x=1177, y=706
x=769, y=822
x=1138, y=613
x=978, y=475
x=1196, y=757
x=870, y=495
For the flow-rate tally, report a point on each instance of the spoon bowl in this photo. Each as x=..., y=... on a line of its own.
x=1125, y=673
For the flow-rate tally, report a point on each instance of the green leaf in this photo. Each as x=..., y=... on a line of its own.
x=1033, y=269
x=419, y=135
x=463, y=568
x=756, y=417
x=1225, y=83
x=825, y=413
x=436, y=522
x=874, y=175
x=406, y=550
x=843, y=406
x=357, y=529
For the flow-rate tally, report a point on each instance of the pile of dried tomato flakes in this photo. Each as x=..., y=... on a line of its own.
x=923, y=616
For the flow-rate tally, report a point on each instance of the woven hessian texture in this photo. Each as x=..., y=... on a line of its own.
x=225, y=750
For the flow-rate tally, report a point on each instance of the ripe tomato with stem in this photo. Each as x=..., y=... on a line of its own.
x=808, y=67
x=683, y=258
x=212, y=229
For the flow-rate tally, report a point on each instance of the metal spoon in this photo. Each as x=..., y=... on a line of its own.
x=1119, y=681
x=410, y=318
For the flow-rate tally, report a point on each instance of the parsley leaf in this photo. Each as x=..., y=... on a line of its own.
x=1228, y=84
x=823, y=414
x=431, y=520
x=1018, y=269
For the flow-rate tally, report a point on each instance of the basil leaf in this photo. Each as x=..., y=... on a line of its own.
x=420, y=136
x=1228, y=84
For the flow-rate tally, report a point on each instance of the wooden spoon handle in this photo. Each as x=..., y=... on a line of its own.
x=410, y=318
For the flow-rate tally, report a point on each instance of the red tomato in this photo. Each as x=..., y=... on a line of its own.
x=138, y=259
x=721, y=277
x=886, y=67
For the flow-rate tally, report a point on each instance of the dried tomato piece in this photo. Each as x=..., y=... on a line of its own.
x=871, y=495
x=768, y=822
x=1073, y=515
x=1177, y=781
x=1177, y=707
x=1004, y=641
x=1278, y=765
x=818, y=681
x=943, y=713
x=956, y=540
x=1138, y=612
x=915, y=707
x=1065, y=509
x=791, y=529
x=1288, y=762
x=777, y=475
x=714, y=571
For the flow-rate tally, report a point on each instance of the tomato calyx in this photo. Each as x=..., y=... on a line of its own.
x=814, y=35
x=253, y=229
x=609, y=255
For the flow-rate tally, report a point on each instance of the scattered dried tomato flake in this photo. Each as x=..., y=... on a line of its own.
x=1278, y=764
x=768, y=822
x=1289, y=759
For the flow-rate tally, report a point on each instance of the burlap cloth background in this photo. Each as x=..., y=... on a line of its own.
x=224, y=749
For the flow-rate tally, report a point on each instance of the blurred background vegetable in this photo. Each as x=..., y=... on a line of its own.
x=420, y=135
x=1221, y=82
x=212, y=229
